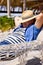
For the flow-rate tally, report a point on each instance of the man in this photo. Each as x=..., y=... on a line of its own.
x=32, y=32
x=27, y=31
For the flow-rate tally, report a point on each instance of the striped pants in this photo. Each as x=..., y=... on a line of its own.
x=14, y=38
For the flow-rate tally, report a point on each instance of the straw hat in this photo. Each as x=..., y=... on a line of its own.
x=27, y=16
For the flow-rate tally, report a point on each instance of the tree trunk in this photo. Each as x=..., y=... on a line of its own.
x=8, y=8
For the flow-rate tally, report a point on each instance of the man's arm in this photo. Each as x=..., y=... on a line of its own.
x=39, y=21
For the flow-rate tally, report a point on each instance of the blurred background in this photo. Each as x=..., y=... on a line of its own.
x=16, y=7
x=12, y=8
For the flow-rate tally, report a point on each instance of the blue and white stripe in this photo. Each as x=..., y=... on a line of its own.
x=16, y=37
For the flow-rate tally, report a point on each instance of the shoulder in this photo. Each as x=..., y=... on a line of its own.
x=29, y=29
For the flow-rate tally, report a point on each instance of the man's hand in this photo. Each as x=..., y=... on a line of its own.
x=17, y=21
x=39, y=20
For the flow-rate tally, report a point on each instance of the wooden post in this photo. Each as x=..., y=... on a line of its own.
x=8, y=8
x=24, y=5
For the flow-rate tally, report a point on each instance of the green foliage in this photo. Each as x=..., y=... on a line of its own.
x=6, y=23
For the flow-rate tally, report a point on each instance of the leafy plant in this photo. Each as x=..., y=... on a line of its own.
x=6, y=23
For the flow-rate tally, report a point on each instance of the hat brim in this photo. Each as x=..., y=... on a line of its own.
x=23, y=21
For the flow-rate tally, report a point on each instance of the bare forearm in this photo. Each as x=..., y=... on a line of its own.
x=38, y=24
x=39, y=21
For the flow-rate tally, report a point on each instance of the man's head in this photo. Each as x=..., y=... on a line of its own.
x=26, y=19
x=28, y=23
